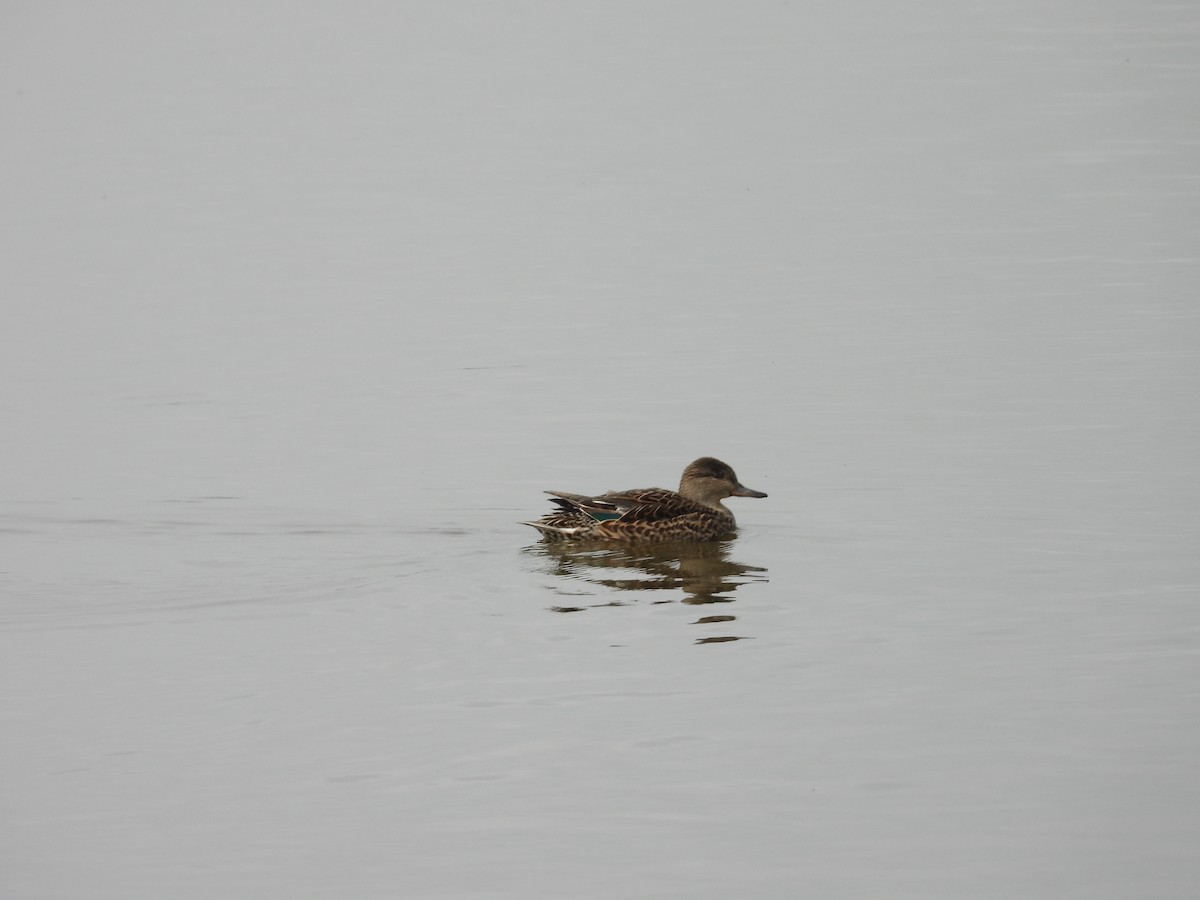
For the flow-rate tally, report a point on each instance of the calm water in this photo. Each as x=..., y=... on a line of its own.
x=304, y=308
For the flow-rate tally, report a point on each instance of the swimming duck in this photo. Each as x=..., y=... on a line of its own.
x=693, y=513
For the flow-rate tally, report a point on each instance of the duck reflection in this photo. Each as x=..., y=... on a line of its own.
x=702, y=570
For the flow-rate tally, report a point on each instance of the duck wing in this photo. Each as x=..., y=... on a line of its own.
x=636, y=505
x=598, y=508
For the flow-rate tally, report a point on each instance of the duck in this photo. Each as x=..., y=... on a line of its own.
x=693, y=513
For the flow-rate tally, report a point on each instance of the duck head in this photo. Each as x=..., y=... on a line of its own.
x=709, y=481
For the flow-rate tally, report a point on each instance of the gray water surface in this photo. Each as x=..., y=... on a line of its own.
x=304, y=308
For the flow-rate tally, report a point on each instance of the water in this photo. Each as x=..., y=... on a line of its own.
x=304, y=308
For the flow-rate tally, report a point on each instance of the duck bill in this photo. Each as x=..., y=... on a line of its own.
x=742, y=491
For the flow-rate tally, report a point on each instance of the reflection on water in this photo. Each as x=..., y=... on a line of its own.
x=704, y=573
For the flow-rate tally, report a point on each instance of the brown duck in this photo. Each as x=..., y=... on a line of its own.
x=693, y=513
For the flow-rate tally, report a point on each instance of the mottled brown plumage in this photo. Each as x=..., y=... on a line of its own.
x=693, y=513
